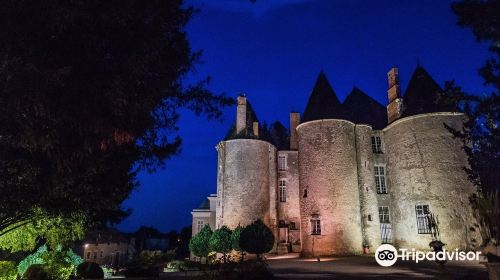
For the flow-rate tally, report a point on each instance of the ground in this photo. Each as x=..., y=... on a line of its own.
x=365, y=267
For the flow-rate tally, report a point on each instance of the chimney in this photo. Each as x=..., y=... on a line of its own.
x=294, y=122
x=256, y=129
x=241, y=114
x=395, y=106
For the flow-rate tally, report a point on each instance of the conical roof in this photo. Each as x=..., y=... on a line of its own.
x=323, y=102
x=421, y=93
x=360, y=108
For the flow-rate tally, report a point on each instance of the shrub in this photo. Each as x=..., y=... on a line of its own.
x=8, y=270
x=199, y=244
x=178, y=265
x=36, y=272
x=89, y=270
x=257, y=239
x=35, y=258
x=220, y=241
x=173, y=266
x=235, y=240
x=58, y=263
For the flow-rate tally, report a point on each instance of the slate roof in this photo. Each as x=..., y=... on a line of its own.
x=421, y=93
x=323, y=102
x=360, y=108
x=205, y=204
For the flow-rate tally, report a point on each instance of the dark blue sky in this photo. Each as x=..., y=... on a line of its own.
x=273, y=50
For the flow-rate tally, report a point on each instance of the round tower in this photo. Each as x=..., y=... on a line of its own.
x=425, y=172
x=328, y=185
x=246, y=182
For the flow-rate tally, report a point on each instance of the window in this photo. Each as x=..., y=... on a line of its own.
x=282, y=190
x=282, y=162
x=383, y=214
x=199, y=225
x=380, y=179
x=95, y=255
x=315, y=225
x=88, y=255
x=380, y=182
x=423, y=213
x=281, y=224
x=370, y=218
x=377, y=144
x=102, y=254
x=292, y=225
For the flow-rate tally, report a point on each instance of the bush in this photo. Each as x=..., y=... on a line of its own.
x=220, y=241
x=58, y=263
x=178, y=265
x=257, y=239
x=36, y=272
x=199, y=244
x=89, y=270
x=235, y=240
x=8, y=270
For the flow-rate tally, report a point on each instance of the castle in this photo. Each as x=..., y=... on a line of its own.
x=348, y=176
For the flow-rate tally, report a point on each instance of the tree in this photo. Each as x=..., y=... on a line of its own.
x=257, y=239
x=483, y=127
x=220, y=242
x=199, y=244
x=235, y=240
x=89, y=101
x=54, y=231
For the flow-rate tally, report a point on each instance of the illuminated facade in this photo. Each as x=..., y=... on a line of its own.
x=348, y=175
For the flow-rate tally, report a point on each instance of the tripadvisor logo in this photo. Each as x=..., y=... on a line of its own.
x=387, y=255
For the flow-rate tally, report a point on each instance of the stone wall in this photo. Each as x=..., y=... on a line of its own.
x=328, y=172
x=367, y=190
x=425, y=165
x=289, y=211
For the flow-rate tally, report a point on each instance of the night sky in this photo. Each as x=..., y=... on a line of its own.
x=272, y=50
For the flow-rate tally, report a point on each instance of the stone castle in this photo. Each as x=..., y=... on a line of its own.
x=348, y=176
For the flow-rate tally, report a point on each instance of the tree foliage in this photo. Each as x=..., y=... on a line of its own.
x=8, y=270
x=199, y=243
x=58, y=263
x=220, y=241
x=42, y=228
x=483, y=127
x=257, y=238
x=89, y=93
x=235, y=238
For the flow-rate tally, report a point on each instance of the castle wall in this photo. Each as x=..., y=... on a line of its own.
x=328, y=171
x=425, y=165
x=246, y=182
x=289, y=211
x=367, y=190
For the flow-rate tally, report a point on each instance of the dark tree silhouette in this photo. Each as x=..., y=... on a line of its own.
x=89, y=92
x=483, y=127
x=256, y=238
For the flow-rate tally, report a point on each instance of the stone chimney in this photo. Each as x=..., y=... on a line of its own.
x=294, y=122
x=256, y=129
x=241, y=114
x=395, y=106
